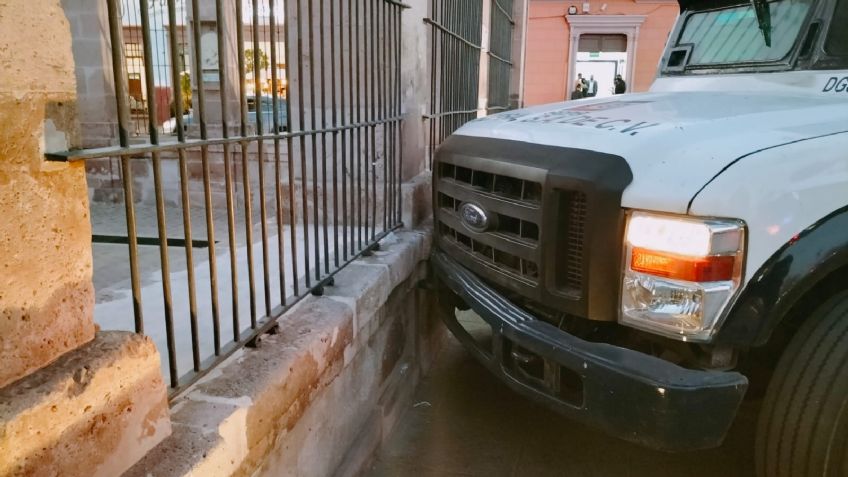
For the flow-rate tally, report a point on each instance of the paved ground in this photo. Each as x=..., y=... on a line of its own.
x=115, y=302
x=111, y=261
x=466, y=423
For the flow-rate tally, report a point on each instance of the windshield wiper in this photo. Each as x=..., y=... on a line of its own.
x=763, y=11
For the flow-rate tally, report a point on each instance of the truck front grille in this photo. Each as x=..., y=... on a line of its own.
x=511, y=245
x=518, y=268
x=555, y=220
x=486, y=182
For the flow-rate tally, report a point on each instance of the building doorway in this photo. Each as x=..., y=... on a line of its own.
x=603, y=46
x=602, y=56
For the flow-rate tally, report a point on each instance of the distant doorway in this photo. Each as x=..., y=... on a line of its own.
x=602, y=56
x=603, y=46
x=603, y=71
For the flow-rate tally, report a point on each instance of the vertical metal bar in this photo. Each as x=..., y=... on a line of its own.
x=335, y=121
x=433, y=72
x=160, y=199
x=303, y=153
x=207, y=189
x=223, y=58
x=359, y=30
x=290, y=143
x=399, y=106
x=314, y=136
x=448, y=49
x=149, y=83
x=458, y=25
x=397, y=113
x=260, y=152
x=383, y=103
x=389, y=128
x=322, y=35
x=369, y=100
x=166, y=274
x=118, y=67
x=132, y=234
x=343, y=119
x=375, y=77
x=354, y=100
x=186, y=204
x=275, y=110
x=443, y=76
x=192, y=292
x=245, y=171
x=121, y=96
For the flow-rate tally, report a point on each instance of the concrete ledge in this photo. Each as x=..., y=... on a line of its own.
x=339, y=366
x=94, y=412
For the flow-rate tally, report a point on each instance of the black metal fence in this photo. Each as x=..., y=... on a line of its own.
x=456, y=27
x=455, y=55
x=500, y=54
x=157, y=33
x=307, y=132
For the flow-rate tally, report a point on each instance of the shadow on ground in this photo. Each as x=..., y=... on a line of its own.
x=466, y=423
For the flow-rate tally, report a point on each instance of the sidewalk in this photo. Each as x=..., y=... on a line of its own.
x=114, y=300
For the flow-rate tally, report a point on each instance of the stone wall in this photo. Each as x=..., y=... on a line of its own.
x=317, y=397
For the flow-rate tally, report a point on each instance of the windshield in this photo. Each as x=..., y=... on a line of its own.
x=735, y=35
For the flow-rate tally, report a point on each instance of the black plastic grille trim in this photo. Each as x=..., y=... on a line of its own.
x=499, y=185
x=574, y=234
x=519, y=268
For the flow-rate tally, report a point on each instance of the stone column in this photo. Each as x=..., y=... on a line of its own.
x=210, y=63
x=72, y=401
x=46, y=293
x=415, y=87
x=89, y=25
x=519, y=47
x=485, y=42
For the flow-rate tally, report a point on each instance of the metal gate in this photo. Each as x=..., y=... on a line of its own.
x=500, y=55
x=455, y=56
x=456, y=27
x=292, y=147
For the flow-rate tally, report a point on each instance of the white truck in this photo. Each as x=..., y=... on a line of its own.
x=643, y=262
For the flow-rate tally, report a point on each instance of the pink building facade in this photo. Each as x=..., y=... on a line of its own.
x=603, y=38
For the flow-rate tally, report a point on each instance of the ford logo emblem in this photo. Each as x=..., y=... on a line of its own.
x=474, y=217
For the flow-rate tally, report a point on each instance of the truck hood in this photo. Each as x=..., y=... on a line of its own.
x=674, y=142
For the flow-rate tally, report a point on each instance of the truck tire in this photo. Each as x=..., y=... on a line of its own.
x=803, y=424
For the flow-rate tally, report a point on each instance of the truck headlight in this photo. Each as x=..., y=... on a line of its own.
x=680, y=273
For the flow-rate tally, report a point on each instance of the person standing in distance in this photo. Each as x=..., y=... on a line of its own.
x=620, y=85
x=578, y=90
x=593, y=87
x=583, y=83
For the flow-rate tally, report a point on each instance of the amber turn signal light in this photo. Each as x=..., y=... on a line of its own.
x=678, y=267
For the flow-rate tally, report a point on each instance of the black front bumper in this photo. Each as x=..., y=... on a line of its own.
x=628, y=394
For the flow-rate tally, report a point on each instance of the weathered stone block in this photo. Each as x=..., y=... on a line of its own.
x=46, y=293
x=35, y=48
x=417, y=200
x=94, y=412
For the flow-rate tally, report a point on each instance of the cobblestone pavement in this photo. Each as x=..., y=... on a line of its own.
x=464, y=422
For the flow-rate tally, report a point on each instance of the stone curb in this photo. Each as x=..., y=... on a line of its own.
x=227, y=423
